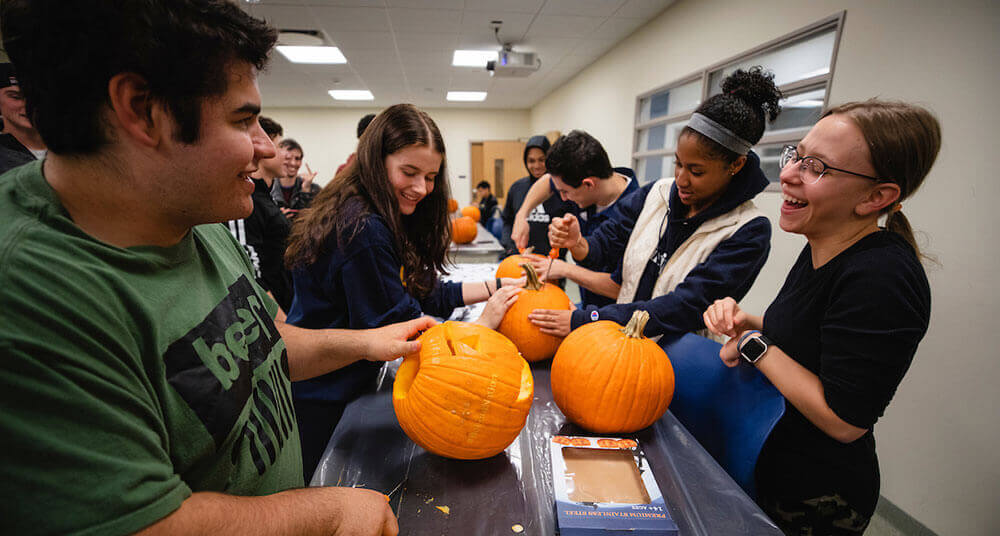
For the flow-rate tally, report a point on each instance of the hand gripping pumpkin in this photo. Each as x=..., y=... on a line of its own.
x=471, y=211
x=463, y=230
x=511, y=266
x=612, y=380
x=533, y=344
x=466, y=394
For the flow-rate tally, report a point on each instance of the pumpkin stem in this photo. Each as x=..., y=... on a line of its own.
x=636, y=324
x=533, y=283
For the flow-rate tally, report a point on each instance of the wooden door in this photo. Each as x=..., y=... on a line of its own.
x=502, y=164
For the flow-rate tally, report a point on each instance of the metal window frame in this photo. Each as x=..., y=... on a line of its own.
x=834, y=22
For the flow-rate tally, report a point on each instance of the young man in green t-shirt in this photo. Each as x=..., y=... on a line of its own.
x=144, y=383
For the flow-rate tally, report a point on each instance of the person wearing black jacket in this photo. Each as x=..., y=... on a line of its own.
x=264, y=233
x=20, y=143
x=488, y=209
x=539, y=218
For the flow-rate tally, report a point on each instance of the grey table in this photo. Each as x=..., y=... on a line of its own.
x=485, y=248
x=369, y=449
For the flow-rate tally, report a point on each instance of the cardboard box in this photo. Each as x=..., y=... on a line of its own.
x=603, y=485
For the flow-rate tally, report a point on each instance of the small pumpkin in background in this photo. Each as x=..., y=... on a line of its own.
x=533, y=344
x=612, y=380
x=463, y=230
x=452, y=206
x=471, y=211
x=511, y=266
x=465, y=394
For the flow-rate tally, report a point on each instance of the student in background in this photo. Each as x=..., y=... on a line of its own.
x=20, y=143
x=488, y=209
x=539, y=218
x=581, y=173
x=843, y=330
x=685, y=242
x=264, y=233
x=293, y=192
x=362, y=125
x=370, y=251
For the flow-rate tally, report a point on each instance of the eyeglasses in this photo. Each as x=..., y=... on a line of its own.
x=812, y=169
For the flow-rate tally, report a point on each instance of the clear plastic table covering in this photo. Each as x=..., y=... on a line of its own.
x=432, y=495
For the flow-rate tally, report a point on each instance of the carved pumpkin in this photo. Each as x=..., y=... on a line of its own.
x=463, y=230
x=612, y=380
x=452, y=205
x=533, y=344
x=471, y=211
x=511, y=266
x=466, y=394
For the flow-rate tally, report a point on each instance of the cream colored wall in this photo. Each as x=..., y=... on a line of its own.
x=937, y=443
x=328, y=136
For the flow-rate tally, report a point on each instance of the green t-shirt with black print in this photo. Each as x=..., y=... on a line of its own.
x=130, y=378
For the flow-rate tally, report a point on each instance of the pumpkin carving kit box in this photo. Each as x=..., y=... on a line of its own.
x=603, y=485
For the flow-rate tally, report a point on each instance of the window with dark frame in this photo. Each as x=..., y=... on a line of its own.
x=802, y=63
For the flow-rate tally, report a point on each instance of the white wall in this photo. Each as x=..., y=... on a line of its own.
x=328, y=136
x=938, y=441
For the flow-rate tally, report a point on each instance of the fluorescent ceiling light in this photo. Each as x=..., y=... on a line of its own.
x=467, y=96
x=352, y=94
x=473, y=58
x=300, y=54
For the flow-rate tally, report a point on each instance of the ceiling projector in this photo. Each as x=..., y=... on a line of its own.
x=513, y=64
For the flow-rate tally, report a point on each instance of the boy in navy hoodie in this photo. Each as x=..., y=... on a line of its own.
x=580, y=172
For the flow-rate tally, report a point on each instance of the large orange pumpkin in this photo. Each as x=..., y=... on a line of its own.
x=471, y=211
x=511, y=266
x=612, y=380
x=452, y=205
x=463, y=230
x=533, y=344
x=466, y=394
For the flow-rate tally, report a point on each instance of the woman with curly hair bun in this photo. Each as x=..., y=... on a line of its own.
x=683, y=242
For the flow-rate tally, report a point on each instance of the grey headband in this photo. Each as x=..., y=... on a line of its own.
x=719, y=134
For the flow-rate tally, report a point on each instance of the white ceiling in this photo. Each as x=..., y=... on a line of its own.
x=401, y=50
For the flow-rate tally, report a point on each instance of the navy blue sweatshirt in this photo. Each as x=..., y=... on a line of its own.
x=730, y=270
x=358, y=287
x=590, y=221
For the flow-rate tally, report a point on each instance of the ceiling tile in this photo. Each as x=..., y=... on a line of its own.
x=359, y=58
x=643, y=9
x=514, y=26
x=351, y=19
x=427, y=4
x=564, y=26
x=425, y=20
x=521, y=6
x=427, y=41
x=438, y=60
x=363, y=40
x=595, y=8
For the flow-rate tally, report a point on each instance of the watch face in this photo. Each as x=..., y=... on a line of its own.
x=752, y=349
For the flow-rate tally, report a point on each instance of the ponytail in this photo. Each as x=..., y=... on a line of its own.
x=904, y=140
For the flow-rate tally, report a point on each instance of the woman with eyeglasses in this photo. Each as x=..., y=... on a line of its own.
x=842, y=332
x=682, y=242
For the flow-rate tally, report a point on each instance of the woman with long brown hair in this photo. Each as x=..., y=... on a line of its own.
x=842, y=332
x=369, y=251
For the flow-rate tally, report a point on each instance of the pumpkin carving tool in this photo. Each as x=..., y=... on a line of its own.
x=553, y=253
